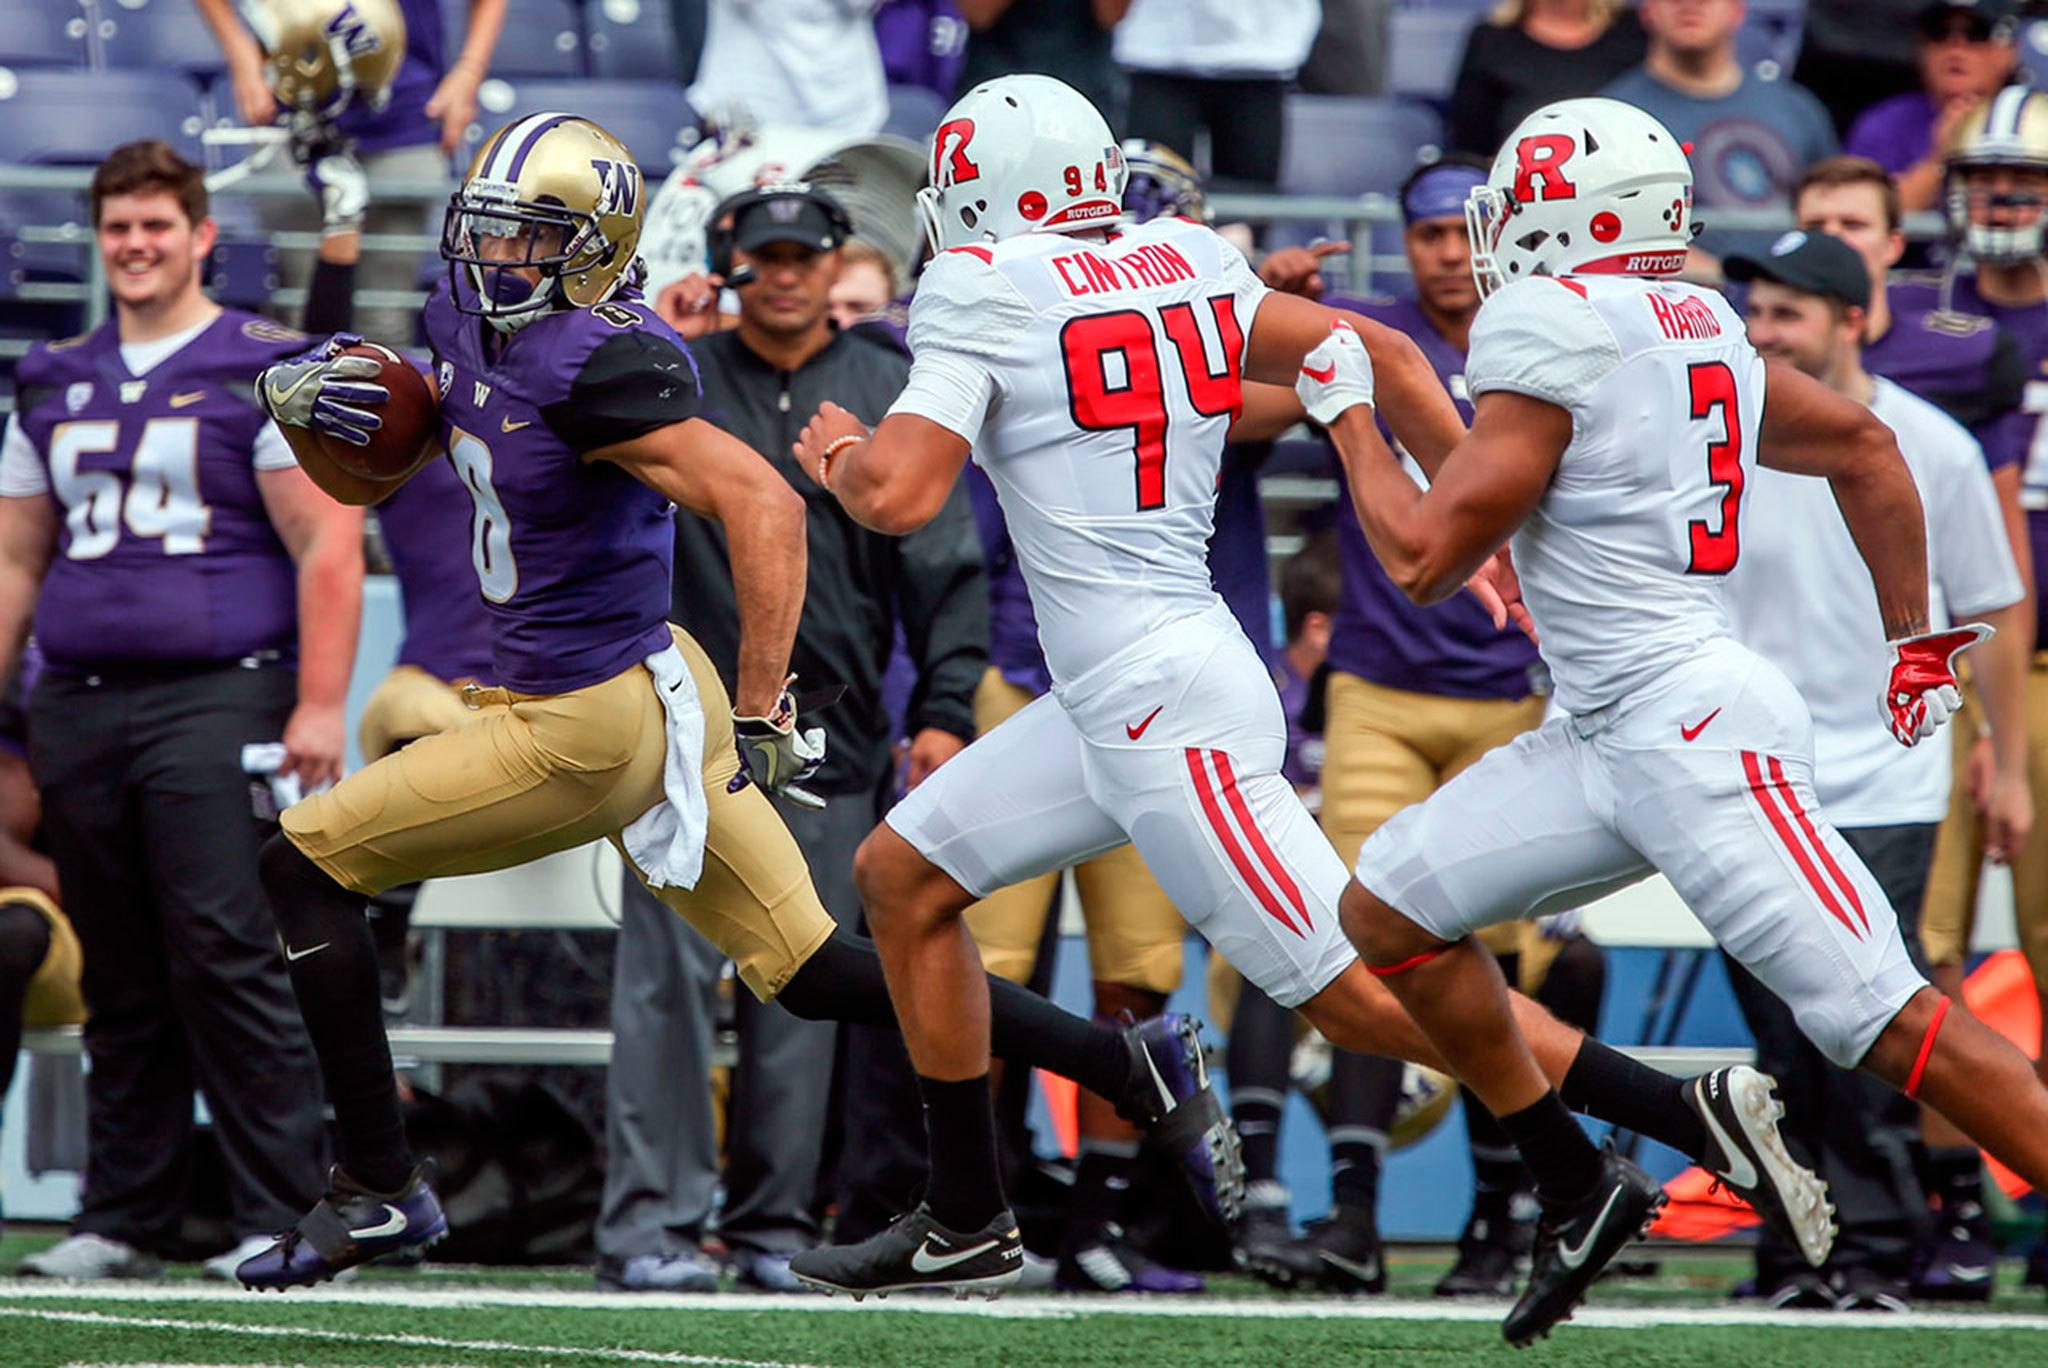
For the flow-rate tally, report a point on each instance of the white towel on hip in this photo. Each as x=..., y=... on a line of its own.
x=667, y=840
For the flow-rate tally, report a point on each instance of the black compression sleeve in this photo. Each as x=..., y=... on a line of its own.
x=331, y=300
x=630, y=385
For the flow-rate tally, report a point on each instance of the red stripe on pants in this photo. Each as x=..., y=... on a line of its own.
x=1221, y=826
x=1762, y=792
x=1827, y=859
x=1258, y=838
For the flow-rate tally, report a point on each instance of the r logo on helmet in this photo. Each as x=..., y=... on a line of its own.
x=1542, y=158
x=950, y=164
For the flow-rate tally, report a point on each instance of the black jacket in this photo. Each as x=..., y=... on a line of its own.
x=861, y=583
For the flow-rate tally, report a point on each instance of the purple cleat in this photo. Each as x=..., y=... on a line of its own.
x=350, y=1226
x=1103, y=1261
x=1169, y=1098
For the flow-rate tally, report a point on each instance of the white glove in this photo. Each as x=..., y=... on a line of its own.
x=1336, y=376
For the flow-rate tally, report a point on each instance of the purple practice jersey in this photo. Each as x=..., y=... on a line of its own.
x=404, y=121
x=1303, y=764
x=1963, y=363
x=573, y=556
x=165, y=553
x=426, y=527
x=2028, y=326
x=1451, y=648
x=1012, y=625
x=923, y=43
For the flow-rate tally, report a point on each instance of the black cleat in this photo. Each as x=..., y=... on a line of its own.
x=1169, y=1097
x=1739, y=1110
x=351, y=1225
x=1346, y=1243
x=1962, y=1265
x=915, y=1253
x=1574, y=1243
x=1267, y=1247
x=1493, y=1252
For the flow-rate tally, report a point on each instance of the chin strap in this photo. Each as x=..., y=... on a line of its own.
x=1912, y=1088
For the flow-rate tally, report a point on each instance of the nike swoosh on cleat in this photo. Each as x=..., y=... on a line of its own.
x=1323, y=376
x=1739, y=1171
x=1690, y=732
x=1573, y=1258
x=924, y=1261
x=1135, y=732
x=394, y=1224
x=1364, y=1272
x=1968, y=1272
x=294, y=956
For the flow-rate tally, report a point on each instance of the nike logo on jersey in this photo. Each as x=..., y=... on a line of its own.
x=926, y=1261
x=1323, y=376
x=1135, y=732
x=294, y=956
x=1690, y=732
x=1575, y=1255
x=392, y=1224
x=186, y=400
x=507, y=425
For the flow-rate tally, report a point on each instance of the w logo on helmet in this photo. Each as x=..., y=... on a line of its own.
x=353, y=31
x=618, y=186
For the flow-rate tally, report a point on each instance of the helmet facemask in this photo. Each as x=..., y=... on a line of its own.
x=489, y=239
x=1998, y=244
x=1486, y=218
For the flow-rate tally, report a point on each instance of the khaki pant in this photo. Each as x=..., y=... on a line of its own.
x=1135, y=934
x=53, y=997
x=529, y=775
x=409, y=704
x=1947, y=917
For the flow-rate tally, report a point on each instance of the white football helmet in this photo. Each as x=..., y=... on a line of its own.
x=2009, y=131
x=1020, y=154
x=1582, y=187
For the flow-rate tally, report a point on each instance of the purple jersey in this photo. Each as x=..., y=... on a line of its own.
x=165, y=552
x=426, y=527
x=573, y=556
x=923, y=42
x=1012, y=626
x=2027, y=324
x=1450, y=648
x=1963, y=363
x=1895, y=133
x=404, y=122
x=1303, y=764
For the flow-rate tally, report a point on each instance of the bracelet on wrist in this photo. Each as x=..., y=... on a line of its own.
x=832, y=449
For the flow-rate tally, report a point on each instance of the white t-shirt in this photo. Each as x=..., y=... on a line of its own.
x=1622, y=560
x=1803, y=599
x=1269, y=39
x=815, y=63
x=1095, y=382
x=22, y=473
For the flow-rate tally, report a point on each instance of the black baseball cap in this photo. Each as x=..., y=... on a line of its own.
x=1813, y=263
x=796, y=215
x=1992, y=18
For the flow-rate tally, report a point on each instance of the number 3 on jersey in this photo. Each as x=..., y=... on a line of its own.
x=1114, y=381
x=1715, y=549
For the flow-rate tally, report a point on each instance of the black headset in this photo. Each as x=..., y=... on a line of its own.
x=720, y=238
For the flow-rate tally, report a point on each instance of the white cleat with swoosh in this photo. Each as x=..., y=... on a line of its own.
x=1740, y=1110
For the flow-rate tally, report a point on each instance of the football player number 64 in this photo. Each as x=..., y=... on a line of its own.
x=490, y=532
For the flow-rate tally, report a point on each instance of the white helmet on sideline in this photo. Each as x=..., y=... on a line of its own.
x=1590, y=186
x=1020, y=154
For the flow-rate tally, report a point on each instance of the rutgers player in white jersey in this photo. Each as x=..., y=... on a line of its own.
x=1093, y=368
x=1619, y=417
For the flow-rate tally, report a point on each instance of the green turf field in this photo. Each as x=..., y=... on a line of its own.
x=469, y=1316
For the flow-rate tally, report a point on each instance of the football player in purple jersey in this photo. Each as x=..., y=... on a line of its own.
x=573, y=418
x=194, y=595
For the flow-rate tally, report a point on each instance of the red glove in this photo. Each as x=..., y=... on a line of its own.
x=1922, y=692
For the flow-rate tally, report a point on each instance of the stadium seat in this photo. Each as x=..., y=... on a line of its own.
x=645, y=115
x=1353, y=145
x=2033, y=45
x=542, y=39
x=77, y=117
x=242, y=273
x=1426, y=46
x=25, y=262
x=45, y=33
x=631, y=38
x=914, y=112
x=155, y=35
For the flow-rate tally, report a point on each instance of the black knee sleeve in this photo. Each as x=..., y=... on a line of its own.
x=24, y=945
x=306, y=901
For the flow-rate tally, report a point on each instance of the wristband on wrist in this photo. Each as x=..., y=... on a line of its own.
x=832, y=449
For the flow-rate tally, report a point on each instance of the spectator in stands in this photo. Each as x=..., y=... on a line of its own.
x=1527, y=53
x=764, y=377
x=1806, y=307
x=1069, y=39
x=811, y=62
x=433, y=104
x=1351, y=49
x=196, y=600
x=1750, y=136
x=1216, y=68
x=1853, y=53
x=924, y=44
x=866, y=284
x=1966, y=55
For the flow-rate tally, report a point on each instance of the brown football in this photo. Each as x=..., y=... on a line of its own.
x=411, y=417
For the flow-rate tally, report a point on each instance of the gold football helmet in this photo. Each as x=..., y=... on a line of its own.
x=326, y=54
x=548, y=216
x=1162, y=182
x=2000, y=218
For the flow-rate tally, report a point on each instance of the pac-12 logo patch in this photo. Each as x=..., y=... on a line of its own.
x=77, y=395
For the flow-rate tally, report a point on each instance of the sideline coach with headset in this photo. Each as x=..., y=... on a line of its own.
x=761, y=380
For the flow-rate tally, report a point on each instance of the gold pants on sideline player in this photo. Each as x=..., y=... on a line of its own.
x=53, y=997
x=410, y=703
x=529, y=775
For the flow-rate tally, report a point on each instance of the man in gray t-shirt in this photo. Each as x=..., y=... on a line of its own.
x=1750, y=137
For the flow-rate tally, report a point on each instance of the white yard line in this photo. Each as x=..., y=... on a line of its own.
x=412, y=1342
x=1006, y=1308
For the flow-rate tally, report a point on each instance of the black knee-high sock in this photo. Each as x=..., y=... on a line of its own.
x=1497, y=1169
x=1958, y=1175
x=1365, y=1092
x=24, y=945
x=333, y=966
x=843, y=981
x=1566, y=1165
x=965, y=1192
x=1257, y=1058
x=1606, y=1083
